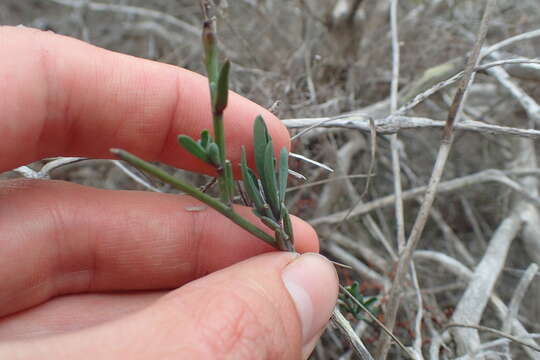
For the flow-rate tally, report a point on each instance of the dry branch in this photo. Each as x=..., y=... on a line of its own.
x=132, y=10
x=394, y=124
x=472, y=304
x=490, y=175
x=446, y=144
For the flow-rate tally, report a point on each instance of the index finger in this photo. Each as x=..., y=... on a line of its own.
x=63, y=97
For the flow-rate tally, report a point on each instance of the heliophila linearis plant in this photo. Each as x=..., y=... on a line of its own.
x=265, y=193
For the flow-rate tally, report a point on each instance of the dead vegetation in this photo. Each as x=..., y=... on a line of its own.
x=334, y=64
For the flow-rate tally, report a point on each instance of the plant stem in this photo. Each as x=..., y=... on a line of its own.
x=219, y=135
x=196, y=193
x=220, y=141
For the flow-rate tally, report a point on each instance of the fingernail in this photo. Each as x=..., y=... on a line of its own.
x=312, y=283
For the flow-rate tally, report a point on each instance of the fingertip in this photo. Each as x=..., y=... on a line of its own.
x=305, y=236
x=312, y=283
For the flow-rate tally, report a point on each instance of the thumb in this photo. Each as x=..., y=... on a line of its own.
x=272, y=306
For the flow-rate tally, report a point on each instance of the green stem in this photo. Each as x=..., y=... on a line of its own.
x=196, y=193
x=219, y=135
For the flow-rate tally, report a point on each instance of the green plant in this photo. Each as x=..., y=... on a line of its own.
x=265, y=193
x=354, y=307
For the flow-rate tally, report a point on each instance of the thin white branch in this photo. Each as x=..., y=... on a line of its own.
x=448, y=262
x=136, y=177
x=473, y=302
x=518, y=296
x=501, y=310
x=132, y=10
x=394, y=124
x=56, y=163
x=44, y=172
x=498, y=46
x=27, y=172
x=491, y=175
x=496, y=332
x=527, y=102
x=358, y=266
x=417, y=345
x=371, y=257
x=311, y=161
x=394, y=141
x=339, y=320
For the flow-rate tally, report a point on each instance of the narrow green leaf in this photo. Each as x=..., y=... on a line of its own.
x=205, y=139
x=229, y=180
x=283, y=173
x=250, y=184
x=213, y=154
x=287, y=225
x=260, y=139
x=268, y=180
x=222, y=90
x=193, y=147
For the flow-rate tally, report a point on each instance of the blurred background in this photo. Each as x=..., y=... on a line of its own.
x=323, y=59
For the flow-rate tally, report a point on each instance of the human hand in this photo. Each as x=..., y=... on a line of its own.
x=101, y=274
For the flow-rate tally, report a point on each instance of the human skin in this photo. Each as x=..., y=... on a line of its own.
x=89, y=273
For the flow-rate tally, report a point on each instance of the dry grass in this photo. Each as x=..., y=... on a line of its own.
x=295, y=52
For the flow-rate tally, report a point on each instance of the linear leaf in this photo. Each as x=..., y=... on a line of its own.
x=260, y=139
x=193, y=147
x=269, y=181
x=250, y=184
x=222, y=90
x=283, y=173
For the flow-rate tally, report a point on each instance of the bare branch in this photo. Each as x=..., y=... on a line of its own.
x=498, y=46
x=132, y=10
x=394, y=124
x=471, y=306
x=394, y=141
x=496, y=332
x=339, y=321
x=490, y=175
x=518, y=296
